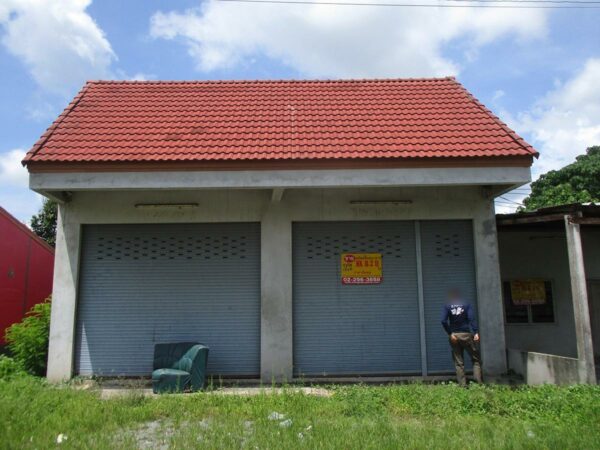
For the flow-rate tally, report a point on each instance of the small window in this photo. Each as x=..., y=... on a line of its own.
x=528, y=313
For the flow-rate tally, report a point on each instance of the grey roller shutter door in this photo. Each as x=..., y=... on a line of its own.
x=145, y=284
x=350, y=329
x=448, y=262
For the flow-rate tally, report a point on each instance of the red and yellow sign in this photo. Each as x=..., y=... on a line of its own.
x=528, y=292
x=361, y=268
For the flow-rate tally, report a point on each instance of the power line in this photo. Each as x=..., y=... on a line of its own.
x=543, y=4
x=577, y=2
x=511, y=201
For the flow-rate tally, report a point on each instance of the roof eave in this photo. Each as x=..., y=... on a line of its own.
x=282, y=164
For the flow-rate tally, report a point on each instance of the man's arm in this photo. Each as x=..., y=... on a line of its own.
x=444, y=319
x=472, y=320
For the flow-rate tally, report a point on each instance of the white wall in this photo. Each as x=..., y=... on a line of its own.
x=543, y=254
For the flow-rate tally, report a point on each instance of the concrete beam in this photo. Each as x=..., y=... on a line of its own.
x=57, y=196
x=583, y=329
x=64, y=297
x=509, y=177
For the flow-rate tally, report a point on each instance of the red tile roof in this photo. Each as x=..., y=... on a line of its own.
x=116, y=121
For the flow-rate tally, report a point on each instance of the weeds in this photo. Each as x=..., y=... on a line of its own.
x=33, y=414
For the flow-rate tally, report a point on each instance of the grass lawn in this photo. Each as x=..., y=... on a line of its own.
x=33, y=414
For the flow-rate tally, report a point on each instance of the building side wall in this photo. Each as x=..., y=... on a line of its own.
x=14, y=248
x=276, y=218
x=25, y=272
x=41, y=270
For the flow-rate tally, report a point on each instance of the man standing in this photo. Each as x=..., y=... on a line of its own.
x=458, y=319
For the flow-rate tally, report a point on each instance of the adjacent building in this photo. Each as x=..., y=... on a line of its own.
x=297, y=228
x=550, y=267
x=26, y=266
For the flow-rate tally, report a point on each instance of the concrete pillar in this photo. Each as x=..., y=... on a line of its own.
x=64, y=297
x=489, y=291
x=583, y=330
x=276, y=295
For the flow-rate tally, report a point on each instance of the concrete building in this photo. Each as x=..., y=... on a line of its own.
x=555, y=338
x=298, y=228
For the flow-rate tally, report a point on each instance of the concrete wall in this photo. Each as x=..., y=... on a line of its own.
x=543, y=254
x=540, y=368
x=98, y=207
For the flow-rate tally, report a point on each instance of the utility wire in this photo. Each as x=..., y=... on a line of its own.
x=508, y=205
x=511, y=201
x=576, y=2
x=475, y=4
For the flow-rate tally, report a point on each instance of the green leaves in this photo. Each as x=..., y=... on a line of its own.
x=44, y=222
x=28, y=340
x=576, y=183
x=9, y=367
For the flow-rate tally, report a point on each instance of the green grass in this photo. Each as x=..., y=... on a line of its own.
x=33, y=414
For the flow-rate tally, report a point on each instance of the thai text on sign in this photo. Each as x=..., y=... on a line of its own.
x=528, y=292
x=361, y=268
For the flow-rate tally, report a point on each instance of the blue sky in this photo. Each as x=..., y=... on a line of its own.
x=539, y=69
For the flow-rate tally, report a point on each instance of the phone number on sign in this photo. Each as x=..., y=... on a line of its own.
x=361, y=280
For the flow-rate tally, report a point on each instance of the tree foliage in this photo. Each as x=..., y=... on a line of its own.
x=44, y=222
x=576, y=183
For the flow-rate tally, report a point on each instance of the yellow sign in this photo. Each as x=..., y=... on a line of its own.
x=528, y=292
x=361, y=268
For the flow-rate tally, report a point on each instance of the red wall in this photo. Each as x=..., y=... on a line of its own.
x=26, y=271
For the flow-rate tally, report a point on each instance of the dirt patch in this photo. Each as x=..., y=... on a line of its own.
x=157, y=434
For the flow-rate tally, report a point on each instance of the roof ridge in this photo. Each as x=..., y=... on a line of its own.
x=265, y=81
x=512, y=134
x=44, y=137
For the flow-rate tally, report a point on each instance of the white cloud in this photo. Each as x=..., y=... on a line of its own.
x=12, y=171
x=338, y=41
x=566, y=120
x=138, y=76
x=561, y=125
x=15, y=195
x=57, y=40
x=498, y=95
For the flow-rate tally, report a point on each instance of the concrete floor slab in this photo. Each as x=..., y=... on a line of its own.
x=116, y=392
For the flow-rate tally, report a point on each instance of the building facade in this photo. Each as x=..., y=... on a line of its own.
x=299, y=229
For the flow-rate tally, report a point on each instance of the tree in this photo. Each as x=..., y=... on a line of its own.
x=576, y=183
x=44, y=222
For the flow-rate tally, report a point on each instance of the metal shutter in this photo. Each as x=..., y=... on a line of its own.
x=145, y=284
x=448, y=261
x=350, y=329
